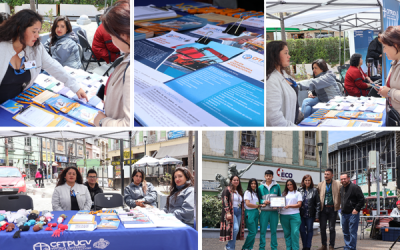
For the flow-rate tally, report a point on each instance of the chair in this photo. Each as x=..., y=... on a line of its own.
x=104, y=69
x=15, y=202
x=86, y=47
x=108, y=200
x=98, y=20
x=80, y=53
x=342, y=73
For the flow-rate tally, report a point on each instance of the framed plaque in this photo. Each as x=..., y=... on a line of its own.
x=277, y=201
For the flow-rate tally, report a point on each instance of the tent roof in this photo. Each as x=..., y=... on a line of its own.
x=326, y=15
x=68, y=135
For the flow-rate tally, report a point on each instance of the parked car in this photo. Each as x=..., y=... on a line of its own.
x=11, y=181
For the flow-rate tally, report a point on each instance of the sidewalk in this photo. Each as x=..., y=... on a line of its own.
x=365, y=244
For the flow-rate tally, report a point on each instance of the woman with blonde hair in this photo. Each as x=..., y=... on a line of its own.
x=140, y=192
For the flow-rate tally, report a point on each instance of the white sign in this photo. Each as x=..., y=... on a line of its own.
x=280, y=174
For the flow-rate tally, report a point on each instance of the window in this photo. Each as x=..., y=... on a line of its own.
x=28, y=141
x=249, y=138
x=309, y=145
x=10, y=140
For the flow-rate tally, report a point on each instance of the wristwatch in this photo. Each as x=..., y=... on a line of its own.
x=101, y=123
x=389, y=93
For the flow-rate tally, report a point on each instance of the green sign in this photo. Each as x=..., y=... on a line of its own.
x=388, y=193
x=89, y=162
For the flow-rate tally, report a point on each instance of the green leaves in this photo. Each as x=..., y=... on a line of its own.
x=211, y=211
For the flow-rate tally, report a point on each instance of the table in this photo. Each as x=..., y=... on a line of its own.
x=383, y=121
x=120, y=239
x=8, y=121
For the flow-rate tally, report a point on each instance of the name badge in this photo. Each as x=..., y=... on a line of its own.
x=30, y=65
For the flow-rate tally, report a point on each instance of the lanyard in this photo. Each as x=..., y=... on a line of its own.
x=327, y=189
x=21, y=71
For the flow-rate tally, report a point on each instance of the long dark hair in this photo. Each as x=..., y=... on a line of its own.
x=116, y=20
x=14, y=28
x=321, y=64
x=274, y=49
x=286, y=191
x=303, y=185
x=250, y=189
x=173, y=189
x=53, y=34
x=239, y=187
x=144, y=183
x=62, y=180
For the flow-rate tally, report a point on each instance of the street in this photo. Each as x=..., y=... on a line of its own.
x=367, y=243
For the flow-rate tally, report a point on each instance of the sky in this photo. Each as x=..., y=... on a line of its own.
x=337, y=136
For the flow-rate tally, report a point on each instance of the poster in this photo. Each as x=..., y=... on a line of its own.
x=249, y=153
x=390, y=18
x=362, y=39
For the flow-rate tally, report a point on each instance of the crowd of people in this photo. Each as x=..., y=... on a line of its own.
x=304, y=205
x=72, y=194
x=282, y=96
x=20, y=42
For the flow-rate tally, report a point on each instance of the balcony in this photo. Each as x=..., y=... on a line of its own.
x=28, y=149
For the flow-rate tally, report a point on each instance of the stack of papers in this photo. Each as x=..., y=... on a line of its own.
x=151, y=12
x=11, y=106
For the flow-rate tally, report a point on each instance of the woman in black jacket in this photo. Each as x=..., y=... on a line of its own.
x=309, y=210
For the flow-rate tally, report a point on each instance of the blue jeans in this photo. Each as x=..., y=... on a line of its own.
x=306, y=231
x=237, y=218
x=350, y=227
x=306, y=107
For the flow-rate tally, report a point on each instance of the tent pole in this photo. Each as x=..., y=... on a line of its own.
x=383, y=54
x=130, y=153
x=196, y=176
x=344, y=46
x=282, y=27
x=340, y=43
x=121, y=151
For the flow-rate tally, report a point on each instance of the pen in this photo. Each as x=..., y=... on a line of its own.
x=78, y=123
x=30, y=92
x=41, y=105
x=24, y=98
x=53, y=108
x=24, y=102
x=347, y=118
x=373, y=121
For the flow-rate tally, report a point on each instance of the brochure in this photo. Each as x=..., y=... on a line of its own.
x=149, y=12
x=109, y=217
x=257, y=22
x=61, y=103
x=150, y=53
x=108, y=224
x=172, y=39
x=249, y=63
x=212, y=96
x=11, y=106
x=83, y=113
x=191, y=57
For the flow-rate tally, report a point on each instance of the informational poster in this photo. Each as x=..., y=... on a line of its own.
x=362, y=39
x=390, y=18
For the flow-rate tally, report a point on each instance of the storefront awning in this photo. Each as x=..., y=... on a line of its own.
x=175, y=151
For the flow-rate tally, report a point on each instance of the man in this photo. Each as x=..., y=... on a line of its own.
x=269, y=215
x=375, y=50
x=352, y=200
x=93, y=187
x=329, y=193
x=396, y=214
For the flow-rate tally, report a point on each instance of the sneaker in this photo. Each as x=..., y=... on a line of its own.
x=323, y=248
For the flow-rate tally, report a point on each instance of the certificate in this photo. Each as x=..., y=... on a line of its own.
x=277, y=201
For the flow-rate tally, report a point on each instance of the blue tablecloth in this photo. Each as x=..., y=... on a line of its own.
x=120, y=239
x=6, y=118
x=383, y=120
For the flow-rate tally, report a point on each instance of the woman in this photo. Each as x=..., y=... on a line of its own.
x=180, y=201
x=140, y=192
x=396, y=214
x=116, y=21
x=290, y=215
x=232, y=216
x=391, y=46
x=20, y=46
x=103, y=47
x=38, y=176
x=309, y=210
x=70, y=193
x=252, y=214
x=63, y=43
x=356, y=80
x=324, y=84
x=282, y=105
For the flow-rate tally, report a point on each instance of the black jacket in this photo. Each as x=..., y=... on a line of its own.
x=374, y=50
x=93, y=192
x=314, y=203
x=353, y=199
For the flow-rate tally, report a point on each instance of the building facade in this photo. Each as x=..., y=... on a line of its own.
x=351, y=156
x=289, y=154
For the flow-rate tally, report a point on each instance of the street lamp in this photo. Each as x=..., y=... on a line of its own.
x=320, y=146
x=145, y=141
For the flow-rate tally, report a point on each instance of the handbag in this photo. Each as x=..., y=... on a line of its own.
x=392, y=118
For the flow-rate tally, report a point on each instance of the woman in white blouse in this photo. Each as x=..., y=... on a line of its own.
x=290, y=215
x=252, y=214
